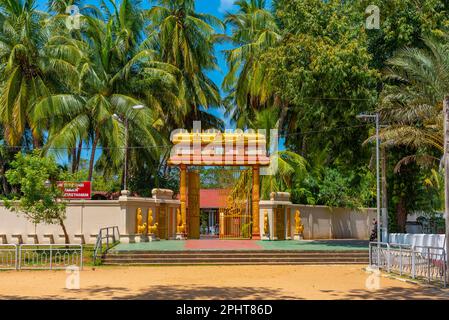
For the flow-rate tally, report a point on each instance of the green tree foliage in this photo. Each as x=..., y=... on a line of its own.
x=185, y=39
x=404, y=23
x=72, y=90
x=94, y=113
x=254, y=30
x=218, y=178
x=39, y=198
x=142, y=183
x=412, y=99
x=284, y=166
x=32, y=61
x=411, y=108
x=322, y=69
x=306, y=67
x=411, y=188
x=332, y=188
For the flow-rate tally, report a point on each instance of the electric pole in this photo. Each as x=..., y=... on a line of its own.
x=446, y=173
x=383, y=157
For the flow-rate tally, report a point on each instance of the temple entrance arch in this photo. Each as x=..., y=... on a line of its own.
x=213, y=148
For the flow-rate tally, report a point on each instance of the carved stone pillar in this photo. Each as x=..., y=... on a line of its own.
x=183, y=194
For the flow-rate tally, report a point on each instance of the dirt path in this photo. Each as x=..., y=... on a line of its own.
x=211, y=282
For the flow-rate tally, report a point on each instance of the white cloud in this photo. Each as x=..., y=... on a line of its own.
x=225, y=5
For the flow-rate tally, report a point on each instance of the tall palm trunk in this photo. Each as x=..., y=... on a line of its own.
x=401, y=214
x=5, y=186
x=36, y=142
x=283, y=115
x=73, y=155
x=78, y=155
x=92, y=155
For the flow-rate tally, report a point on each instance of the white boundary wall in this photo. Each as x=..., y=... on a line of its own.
x=321, y=222
x=84, y=218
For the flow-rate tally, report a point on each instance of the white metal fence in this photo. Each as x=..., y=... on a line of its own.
x=8, y=256
x=40, y=256
x=418, y=262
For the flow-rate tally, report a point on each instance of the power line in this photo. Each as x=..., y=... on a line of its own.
x=336, y=98
x=89, y=148
x=166, y=147
x=323, y=131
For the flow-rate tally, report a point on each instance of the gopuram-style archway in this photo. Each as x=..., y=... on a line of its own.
x=213, y=148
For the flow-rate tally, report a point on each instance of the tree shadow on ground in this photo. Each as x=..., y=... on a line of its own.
x=97, y=292
x=163, y=292
x=392, y=293
x=209, y=292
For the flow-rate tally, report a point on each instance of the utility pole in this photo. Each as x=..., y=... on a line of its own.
x=375, y=117
x=378, y=180
x=446, y=173
x=383, y=157
x=125, y=173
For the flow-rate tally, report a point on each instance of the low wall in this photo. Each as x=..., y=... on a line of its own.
x=320, y=222
x=84, y=218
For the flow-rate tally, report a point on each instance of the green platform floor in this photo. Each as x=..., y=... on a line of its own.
x=316, y=245
x=189, y=245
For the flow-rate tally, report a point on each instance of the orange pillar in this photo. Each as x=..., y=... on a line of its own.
x=183, y=194
x=194, y=204
x=255, y=206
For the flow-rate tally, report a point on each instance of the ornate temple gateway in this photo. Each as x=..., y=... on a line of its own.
x=213, y=148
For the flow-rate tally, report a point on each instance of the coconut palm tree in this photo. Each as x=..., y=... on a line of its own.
x=100, y=111
x=284, y=165
x=412, y=100
x=32, y=63
x=412, y=106
x=60, y=6
x=253, y=31
x=185, y=39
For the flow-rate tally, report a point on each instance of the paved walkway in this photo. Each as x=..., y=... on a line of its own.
x=177, y=245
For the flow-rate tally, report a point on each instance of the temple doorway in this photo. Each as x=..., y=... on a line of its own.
x=209, y=227
x=224, y=209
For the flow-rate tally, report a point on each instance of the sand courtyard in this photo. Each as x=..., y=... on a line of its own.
x=213, y=282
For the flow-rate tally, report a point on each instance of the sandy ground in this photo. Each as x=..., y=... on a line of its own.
x=212, y=282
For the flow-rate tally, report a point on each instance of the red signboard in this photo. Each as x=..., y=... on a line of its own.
x=76, y=190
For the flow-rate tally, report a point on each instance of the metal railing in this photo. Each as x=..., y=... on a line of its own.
x=418, y=262
x=108, y=236
x=40, y=256
x=8, y=256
